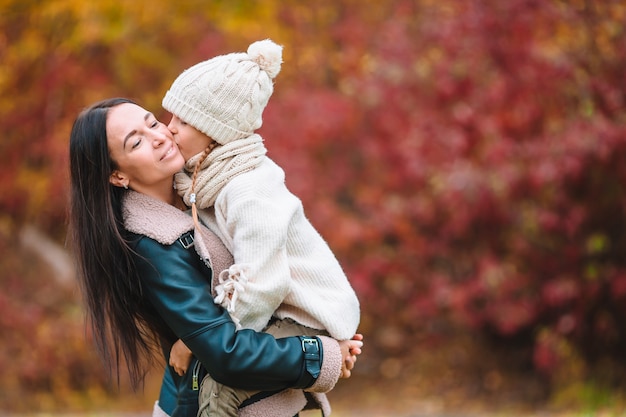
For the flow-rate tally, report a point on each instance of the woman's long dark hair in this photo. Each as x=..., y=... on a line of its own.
x=109, y=282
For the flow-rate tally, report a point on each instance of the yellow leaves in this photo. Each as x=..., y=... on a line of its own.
x=255, y=17
x=597, y=243
x=34, y=185
x=597, y=29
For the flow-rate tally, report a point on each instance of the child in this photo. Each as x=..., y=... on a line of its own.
x=284, y=274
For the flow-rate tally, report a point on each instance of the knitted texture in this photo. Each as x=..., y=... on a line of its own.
x=218, y=168
x=291, y=271
x=224, y=97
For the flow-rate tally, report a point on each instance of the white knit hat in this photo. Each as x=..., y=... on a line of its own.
x=225, y=96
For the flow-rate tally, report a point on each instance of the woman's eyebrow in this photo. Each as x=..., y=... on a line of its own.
x=128, y=137
x=130, y=134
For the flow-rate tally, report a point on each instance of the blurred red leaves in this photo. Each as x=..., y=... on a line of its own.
x=464, y=160
x=486, y=153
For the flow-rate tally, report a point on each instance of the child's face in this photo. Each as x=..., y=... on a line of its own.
x=190, y=141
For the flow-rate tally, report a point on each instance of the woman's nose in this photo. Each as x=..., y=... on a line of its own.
x=161, y=137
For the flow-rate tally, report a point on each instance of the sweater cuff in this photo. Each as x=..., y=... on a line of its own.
x=331, y=366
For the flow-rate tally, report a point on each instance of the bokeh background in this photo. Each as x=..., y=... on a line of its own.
x=465, y=160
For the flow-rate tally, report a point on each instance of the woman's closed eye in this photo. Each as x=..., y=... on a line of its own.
x=152, y=122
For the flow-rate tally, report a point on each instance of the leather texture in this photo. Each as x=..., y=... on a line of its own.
x=175, y=284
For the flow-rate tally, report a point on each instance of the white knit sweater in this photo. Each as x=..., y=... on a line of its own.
x=291, y=272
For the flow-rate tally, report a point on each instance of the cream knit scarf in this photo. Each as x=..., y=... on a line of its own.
x=222, y=164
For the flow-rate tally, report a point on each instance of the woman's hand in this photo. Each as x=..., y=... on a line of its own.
x=350, y=349
x=180, y=357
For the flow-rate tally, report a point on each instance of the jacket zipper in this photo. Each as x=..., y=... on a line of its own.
x=195, y=386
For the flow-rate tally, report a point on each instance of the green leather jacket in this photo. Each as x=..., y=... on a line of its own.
x=177, y=289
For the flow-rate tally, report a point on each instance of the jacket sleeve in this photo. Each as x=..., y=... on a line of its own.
x=174, y=282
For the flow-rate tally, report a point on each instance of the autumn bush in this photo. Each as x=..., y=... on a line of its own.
x=469, y=164
x=44, y=357
x=463, y=159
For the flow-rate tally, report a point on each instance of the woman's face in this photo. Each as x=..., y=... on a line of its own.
x=143, y=149
x=190, y=141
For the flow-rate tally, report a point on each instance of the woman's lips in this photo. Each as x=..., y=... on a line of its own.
x=168, y=152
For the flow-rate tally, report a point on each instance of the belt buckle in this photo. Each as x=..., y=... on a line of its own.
x=308, y=342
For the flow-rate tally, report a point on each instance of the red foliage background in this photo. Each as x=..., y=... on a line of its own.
x=463, y=159
x=468, y=162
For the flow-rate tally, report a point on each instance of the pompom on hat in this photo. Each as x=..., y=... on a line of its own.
x=224, y=97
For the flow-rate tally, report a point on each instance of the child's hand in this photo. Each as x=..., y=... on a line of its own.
x=350, y=349
x=180, y=357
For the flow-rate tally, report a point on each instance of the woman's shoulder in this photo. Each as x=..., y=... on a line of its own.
x=164, y=262
x=141, y=242
x=147, y=216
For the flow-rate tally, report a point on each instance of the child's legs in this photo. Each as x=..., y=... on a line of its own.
x=218, y=400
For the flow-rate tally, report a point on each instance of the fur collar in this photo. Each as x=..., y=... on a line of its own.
x=165, y=223
x=153, y=218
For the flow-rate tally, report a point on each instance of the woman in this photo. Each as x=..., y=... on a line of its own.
x=143, y=281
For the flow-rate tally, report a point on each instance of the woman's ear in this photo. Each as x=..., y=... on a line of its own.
x=118, y=179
